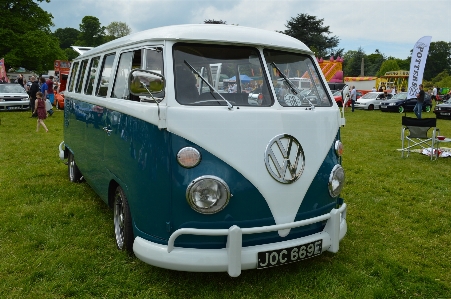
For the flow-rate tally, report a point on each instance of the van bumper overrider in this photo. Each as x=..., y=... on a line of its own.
x=234, y=257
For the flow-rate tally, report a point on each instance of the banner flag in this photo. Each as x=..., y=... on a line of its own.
x=417, y=63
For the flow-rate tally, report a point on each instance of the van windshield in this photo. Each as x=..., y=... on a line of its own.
x=301, y=84
x=235, y=72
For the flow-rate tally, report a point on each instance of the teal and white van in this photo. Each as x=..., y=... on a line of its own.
x=209, y=163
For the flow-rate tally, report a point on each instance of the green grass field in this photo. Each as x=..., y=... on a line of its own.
x=57, y=238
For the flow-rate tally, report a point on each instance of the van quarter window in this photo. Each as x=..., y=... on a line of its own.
x=84, y=63
x=102, y=85
x=93, y=68
x=72, y=76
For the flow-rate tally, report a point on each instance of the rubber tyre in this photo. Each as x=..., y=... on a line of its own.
x=371, y=107
x=74, y=173
x=123, y=229
x=401, y=109
x=427, y=108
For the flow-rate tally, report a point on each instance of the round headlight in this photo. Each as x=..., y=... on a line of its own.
x=208, y=194
x=336, y=180
x=339, y=148
x=188, y=157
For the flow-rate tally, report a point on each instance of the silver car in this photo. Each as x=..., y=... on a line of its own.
x=13, y=97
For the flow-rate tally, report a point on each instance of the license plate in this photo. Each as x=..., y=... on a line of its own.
x=14, y=108
x=272, y=258
x=444, y=113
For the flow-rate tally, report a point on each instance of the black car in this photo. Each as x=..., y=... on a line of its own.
x=400, y=103
x=443, y=110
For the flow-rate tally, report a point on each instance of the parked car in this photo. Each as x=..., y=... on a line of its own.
x=59, y=100
x=13, y=97
x=371, y=100
x=400, y=103
x=339, y=99
x=443, y=110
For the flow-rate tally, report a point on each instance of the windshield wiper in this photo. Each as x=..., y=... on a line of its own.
x=229, y=106
x=293, y=88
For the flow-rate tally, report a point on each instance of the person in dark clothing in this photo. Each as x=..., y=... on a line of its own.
x=420, y=99
x=34, y=88
x=20, y=80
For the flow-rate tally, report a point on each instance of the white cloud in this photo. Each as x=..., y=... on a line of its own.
x=392, y=26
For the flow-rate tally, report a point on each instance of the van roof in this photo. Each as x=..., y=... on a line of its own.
x=207, y=33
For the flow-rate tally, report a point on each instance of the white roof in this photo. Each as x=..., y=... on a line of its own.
x=217, y=33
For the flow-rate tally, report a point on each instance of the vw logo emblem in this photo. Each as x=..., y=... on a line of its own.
x=284, y=158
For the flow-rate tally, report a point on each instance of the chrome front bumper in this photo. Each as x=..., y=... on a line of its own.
x=234, y=257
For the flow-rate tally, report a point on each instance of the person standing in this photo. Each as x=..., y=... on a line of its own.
x=34, y=88
x=420, y=99
x=50, y=94
x=20, y=80
x=41, y=111
x=434, y=94
x=353, y=97
x=44, y=87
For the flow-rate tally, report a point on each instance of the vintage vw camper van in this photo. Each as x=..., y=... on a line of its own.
x=208, y=168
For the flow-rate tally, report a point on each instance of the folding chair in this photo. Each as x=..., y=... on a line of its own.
x=418, y=135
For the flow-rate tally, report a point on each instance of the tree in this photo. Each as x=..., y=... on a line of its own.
x=116, y=30
x=352, y=62
x=92, y=34
x=26, y=37
x=373, y=63
x=311, y=31
x=215, y=22
x=387, y=66
x=67, y=36
x=439, y=59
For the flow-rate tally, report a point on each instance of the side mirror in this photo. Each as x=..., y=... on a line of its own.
x=145, y=82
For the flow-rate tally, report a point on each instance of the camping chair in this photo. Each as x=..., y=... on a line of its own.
x=418, y=135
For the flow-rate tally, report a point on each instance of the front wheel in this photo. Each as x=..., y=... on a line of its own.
x=427, y=108
x=123, y=229
x=371, y=107
x=75, y=175
x=401, y=109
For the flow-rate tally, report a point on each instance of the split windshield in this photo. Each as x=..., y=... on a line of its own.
x=299, y=84
x=234, y=74
x=220, y=75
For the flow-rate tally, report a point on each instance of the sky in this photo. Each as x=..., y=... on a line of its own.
x=392, y=27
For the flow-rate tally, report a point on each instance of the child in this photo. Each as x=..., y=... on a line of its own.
x=42, y=112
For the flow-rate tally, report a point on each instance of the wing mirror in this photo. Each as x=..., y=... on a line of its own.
x=145, y=82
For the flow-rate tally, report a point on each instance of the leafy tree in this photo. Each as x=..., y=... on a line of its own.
x=439, y=59
x=25, y=35
x=311, y=31
x=116, y=30
x=67, y=36
x=387, y=66
x=92, y=34
x=373, y=63
x=353, y=62
x=214, y=22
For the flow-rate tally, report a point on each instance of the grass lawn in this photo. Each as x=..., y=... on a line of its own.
x=57, y=238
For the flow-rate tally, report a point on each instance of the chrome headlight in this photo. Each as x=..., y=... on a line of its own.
x=336, y=180
x=208, y=194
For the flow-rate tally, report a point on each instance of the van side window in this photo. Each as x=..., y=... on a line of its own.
x=72, y=76
x=103, y=83
x=93, y=68
x=127, y=62
x=80, y=80
x=154, y=62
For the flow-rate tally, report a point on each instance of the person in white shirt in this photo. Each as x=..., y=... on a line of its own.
x=434, y=94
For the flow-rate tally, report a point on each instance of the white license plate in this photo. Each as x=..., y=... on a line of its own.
x=272, y=258
x=14, y=108
x=444, y=113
